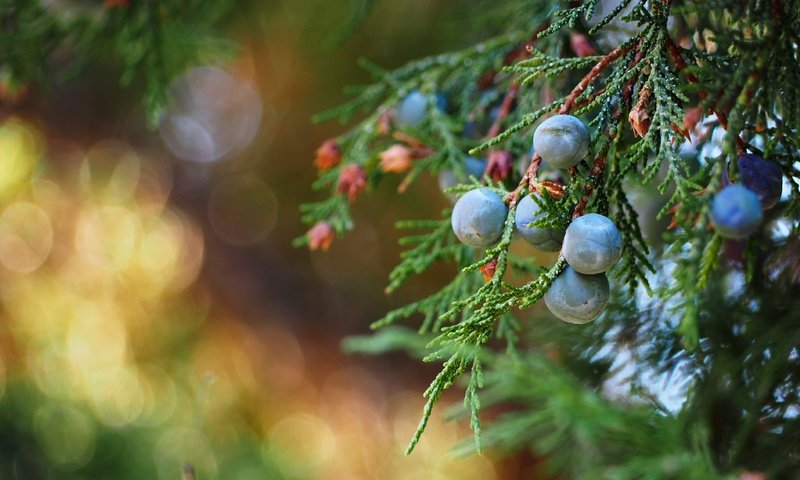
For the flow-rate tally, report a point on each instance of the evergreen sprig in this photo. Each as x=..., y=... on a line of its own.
x=150, y=42
x=645, y=98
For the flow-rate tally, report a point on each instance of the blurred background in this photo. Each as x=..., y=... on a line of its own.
x=156, y=323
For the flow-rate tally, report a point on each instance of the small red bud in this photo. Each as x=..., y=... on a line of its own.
x=320, y=236
x=500, y=165
x=489, y=269
x=352, y=181
x=639, y=120
x=328, y=155
x=396, y=159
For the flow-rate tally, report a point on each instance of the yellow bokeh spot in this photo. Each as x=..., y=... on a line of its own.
x=111, y=171
x=116, y=395
x=302, y=445
x=20, y=148
x=26, y=237
x=108, y=236
x=158, y=253
x=46, y=365
x=95, y=339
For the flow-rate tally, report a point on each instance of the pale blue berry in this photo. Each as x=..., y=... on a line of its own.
x=412, y=109
x=545, y=239
x=592, y=244
x=478, y=218
x=736, y=212
x=577, y=298
x=562, y=141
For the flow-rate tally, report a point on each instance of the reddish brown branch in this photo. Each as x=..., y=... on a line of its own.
x=627, y=90
x=585, y=101
x=412, y=142
x=505, y=109
x=522, y=52
x=592, y=76
x=529, y=178
x=677, y=58
x=599, y=163
x=598, y=167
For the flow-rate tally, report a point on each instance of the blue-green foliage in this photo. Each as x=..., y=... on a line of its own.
x=736, y=63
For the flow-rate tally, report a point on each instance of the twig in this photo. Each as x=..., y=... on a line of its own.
x=592, y=76
x=598, y=167
x=529, y=178
x=505, y=109
x=677, y=58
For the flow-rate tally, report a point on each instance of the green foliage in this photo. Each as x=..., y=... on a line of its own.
x=723, y=76
x=150, y=42
x=595, y=437
x=27, y=33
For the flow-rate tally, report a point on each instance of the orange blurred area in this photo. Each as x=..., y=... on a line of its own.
x=155, y=319
x=105, y=315
x=156, y=322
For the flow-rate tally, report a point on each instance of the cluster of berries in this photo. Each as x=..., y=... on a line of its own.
x=737, y=209
x=591, y=244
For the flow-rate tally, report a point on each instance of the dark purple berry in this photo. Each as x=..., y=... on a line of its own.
x=762, y=177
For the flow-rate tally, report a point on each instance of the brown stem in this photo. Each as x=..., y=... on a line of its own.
x=589, y=99
x=677, y=58
x=597, y=171
x=529, y=178
x=412, y=142
x=520, y=53
x=505, y=109
x=592, y=76
x=599, y=163
x=627, y=90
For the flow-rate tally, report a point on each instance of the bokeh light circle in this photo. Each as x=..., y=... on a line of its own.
x=212, y=115
x=108, y=235
x=111, y=170
x=66, y=434
x=21, y=148
x=302, y=444
x=26, y=237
